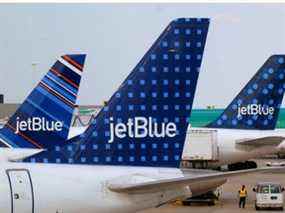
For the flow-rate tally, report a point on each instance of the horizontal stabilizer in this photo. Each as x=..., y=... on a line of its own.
x=264, y=141
x=16, y=154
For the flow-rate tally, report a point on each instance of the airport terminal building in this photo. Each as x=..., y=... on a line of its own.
x=85, y=113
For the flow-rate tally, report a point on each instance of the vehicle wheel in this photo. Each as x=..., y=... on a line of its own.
x=211, y=203
x=257, y=208
x=237, y=166
x=250, y=165
x=281, y=208
x=280, y=156
x=186, y=203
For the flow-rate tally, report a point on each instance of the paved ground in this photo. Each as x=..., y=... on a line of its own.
x=229, y=198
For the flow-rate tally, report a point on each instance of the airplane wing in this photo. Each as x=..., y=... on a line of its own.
x=263, y=141
x=187, y=180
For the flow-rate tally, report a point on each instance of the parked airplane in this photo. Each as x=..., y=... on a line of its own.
x=136, y=141
x=246, y=129
x=44, y=118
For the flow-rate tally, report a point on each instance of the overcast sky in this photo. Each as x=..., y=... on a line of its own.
x=115, y=37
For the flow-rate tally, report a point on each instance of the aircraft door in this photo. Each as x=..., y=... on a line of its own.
x=22, y=197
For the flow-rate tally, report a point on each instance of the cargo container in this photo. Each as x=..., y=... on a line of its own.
x=200, y=149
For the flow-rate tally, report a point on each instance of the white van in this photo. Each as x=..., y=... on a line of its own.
x=269, y=195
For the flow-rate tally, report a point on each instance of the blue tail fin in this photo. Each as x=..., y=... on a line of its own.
x=43, y=120
x=145, y=121
x=257, y=105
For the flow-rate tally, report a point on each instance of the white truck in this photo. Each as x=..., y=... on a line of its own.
x=200, y=149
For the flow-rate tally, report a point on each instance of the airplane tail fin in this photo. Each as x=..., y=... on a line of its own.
x=44, y=118
x=257, y=105
x=144, y=123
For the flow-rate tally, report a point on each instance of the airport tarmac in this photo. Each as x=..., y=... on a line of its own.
x=229, y=198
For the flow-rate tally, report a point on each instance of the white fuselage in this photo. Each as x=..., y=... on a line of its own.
x=230, y=152
x=57, y=188
x=60, y=188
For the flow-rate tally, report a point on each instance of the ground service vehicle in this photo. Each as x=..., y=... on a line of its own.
x=269, y=195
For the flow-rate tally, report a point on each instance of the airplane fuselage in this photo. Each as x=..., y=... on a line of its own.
x=57, y=188
x=229, y=151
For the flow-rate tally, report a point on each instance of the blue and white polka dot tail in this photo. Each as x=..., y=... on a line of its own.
x=44, y=118
x=144, y=123
x=257, y=105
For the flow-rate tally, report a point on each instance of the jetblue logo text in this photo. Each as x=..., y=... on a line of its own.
x=255, y=109
x=141, y=127
x=37, y=124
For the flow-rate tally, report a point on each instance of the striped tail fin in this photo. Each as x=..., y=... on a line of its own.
x=44, y=118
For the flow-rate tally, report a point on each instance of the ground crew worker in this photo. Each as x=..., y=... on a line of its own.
x=242, y=196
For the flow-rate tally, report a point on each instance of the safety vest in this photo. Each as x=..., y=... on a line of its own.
x=242, y=193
